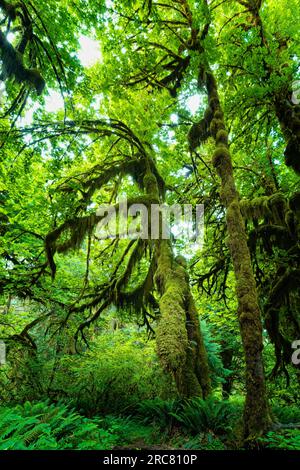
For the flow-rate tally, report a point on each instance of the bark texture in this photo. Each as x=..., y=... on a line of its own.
x=179, y=339
x=256, y=411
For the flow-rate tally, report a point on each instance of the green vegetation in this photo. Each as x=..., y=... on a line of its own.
x=149, y=341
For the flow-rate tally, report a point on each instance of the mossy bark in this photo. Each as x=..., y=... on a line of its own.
x=256, y=411
x=179, y=339
x=178, y=334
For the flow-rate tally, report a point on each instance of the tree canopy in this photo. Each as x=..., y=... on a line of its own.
x=185, y=102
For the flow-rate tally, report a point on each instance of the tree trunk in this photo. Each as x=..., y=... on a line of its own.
x=179, y=339
x=178, y=334
x=227, y=357
x=256, y=411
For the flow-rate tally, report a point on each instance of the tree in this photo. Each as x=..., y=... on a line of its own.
x=127, y=128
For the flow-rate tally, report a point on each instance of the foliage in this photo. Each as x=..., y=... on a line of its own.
x=178, y=92
x=287, y=414
x=194, y=415
x=204, y=442
x=288, y=439
x=45, y=426
x=213, y=348
x=120, y=369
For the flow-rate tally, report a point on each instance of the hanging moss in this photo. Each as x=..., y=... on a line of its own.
x=272, y=207
x=216, y=125
x=219, y=114
x=12, y=66
x=278, y=204
x=256, y=208
x=150, y=184
x=77, y=227
x=198, y=133
x=220, y=156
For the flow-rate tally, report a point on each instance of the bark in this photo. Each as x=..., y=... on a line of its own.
x=179, y=339
x=256, y=411
x=227, y=357
x=178, y=335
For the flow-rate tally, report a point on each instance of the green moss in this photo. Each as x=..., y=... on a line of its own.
x=219, y=114
x=171, y=335
x=150, y=184
x=216, y=125
x=178, y=335
x=255, y=209
x=222, y=137
x=220, y=156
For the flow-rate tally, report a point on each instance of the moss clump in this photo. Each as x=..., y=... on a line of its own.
x=255, y=209
x=181, y=261
x=222, y=137
x=277, y=205
x=219, y=114
x=272, y=207
x=215, y=126
x=220, y=156
x=150, y=184
x=200, y=131
x=198, y=134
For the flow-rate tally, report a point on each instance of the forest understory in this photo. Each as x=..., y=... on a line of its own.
x=150, y=225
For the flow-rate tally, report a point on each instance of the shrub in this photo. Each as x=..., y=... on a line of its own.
x=206, y=415
x=194, y=415
x=158, y=411
x=204, y=442
x=119, y=370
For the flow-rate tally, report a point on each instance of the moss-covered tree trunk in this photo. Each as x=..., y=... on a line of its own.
x=178, y=335
x=256, y=412
x=179, y=339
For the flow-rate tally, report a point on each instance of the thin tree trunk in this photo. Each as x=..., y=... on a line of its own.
x=256, y=411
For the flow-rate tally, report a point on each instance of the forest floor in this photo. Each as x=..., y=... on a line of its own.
x=197, y=425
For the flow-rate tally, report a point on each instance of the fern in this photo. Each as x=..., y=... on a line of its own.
x=48, y=426
x=195, y=415
x=158, y=411
x=287, y=414
x=206, y=415
x=289, y=439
